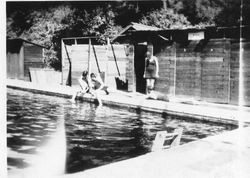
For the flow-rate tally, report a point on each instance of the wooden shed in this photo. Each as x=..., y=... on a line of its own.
x=194, y=63
x=22, y=55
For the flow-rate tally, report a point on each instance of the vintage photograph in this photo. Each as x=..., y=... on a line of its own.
x=128, y=89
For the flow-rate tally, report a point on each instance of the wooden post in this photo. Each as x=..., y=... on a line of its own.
x=89, y=62
x=107, y=59
x=175, y=68
x=229, y=79
x=69, y=81
x=116, y=63
x=229, y=72
x=62, y=61
x=130, y=70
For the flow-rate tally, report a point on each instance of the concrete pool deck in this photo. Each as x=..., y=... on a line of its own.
x=223, y=156
x=220, y=113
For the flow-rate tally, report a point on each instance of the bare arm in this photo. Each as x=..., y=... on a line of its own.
x=157, y=67
x=83, y=84
x=144, y=75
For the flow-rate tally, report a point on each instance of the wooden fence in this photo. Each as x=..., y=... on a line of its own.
x=45, y=76
x=203, y=70
x=208, y=73
x=100, y=54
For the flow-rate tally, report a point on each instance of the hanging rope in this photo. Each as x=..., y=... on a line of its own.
x=89, y=64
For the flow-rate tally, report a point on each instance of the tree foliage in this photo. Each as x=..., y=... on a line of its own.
x=230, y=13
x=165, y=19
x=46, y=23
x=48, y=26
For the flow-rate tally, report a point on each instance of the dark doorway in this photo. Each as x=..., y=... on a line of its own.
x=140, y=51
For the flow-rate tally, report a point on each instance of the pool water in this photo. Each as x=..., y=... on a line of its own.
x=95, y=136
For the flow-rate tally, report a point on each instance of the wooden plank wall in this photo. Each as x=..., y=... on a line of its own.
x=79, y=57
x=130, y=68
x=216, y=71
x=202, y=70
x=206, y=71
x=234, y=67
x=33, y=57
x=122, y=61
x=166, y=59
x=45, y=76
x=188, y=70
x=15, y=65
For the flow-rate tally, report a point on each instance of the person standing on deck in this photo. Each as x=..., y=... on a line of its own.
x=151, y=72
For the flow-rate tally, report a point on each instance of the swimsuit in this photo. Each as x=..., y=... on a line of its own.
x=96, y=84
x=150, y=69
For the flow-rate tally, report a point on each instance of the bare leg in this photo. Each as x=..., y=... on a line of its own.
x=153, y=84
x=147, y=85
x=74, y=96
x=99, y=101
x=150, y=85
x=97, y=97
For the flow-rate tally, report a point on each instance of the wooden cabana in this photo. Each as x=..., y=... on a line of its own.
x=201, y=64
x=21, y=56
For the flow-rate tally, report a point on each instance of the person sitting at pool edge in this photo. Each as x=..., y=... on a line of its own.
x=96, y=86
x=97, y=83
x=84, y=84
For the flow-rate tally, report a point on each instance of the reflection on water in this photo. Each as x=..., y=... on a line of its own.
x=95, y=136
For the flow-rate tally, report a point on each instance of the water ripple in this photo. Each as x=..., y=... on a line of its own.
x=95, y=136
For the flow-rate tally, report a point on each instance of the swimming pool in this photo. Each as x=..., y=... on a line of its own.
x=95, y=136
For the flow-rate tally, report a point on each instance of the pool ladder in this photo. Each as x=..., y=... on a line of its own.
x=164, y=140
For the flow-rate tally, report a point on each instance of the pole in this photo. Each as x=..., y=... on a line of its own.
x=62, y=61
x=115, y=60
x=96, y=60
x=241, y=76
x=69, y=82
x=89, y=62
x=107, y=57
x=241, y=145
x=174, y=68
x=241, y=88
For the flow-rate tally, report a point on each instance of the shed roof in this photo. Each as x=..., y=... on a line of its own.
x=14, y=44
x=182, y=34
x=136, y=27
x=141, y=27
